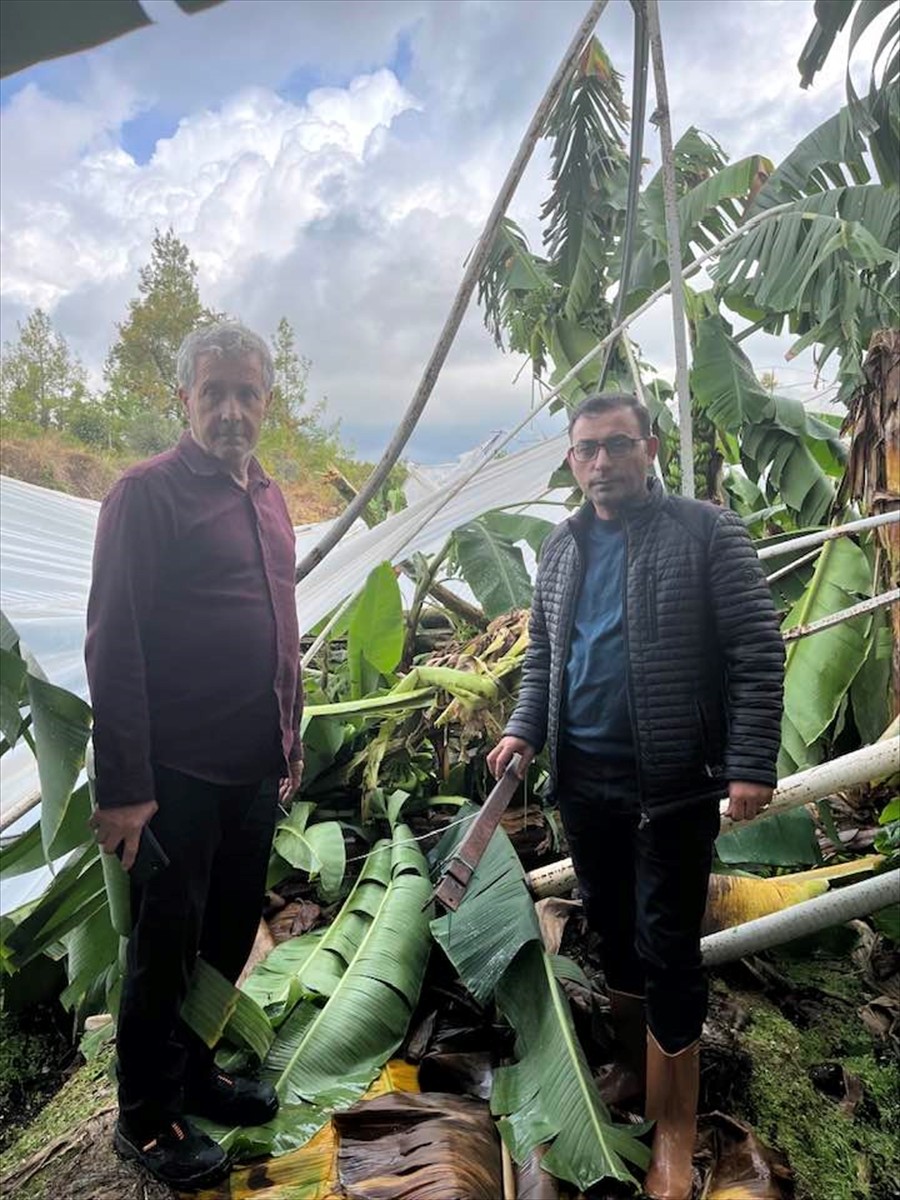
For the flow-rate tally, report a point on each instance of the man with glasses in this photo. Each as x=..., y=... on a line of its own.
x=654, y=673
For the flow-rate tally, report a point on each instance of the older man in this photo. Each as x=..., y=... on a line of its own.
x=655, y=672
x=192, y=655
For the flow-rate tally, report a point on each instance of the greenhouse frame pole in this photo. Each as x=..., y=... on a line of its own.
x=662, y=118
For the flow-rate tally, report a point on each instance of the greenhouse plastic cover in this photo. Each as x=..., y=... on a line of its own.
x=46, y=544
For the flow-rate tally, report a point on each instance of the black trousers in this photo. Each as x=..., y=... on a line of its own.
x=644, y=890
x=207, y=901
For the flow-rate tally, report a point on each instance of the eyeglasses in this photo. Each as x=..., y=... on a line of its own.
x=616, y=447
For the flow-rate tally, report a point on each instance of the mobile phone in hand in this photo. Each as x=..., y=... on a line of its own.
x=150, y=858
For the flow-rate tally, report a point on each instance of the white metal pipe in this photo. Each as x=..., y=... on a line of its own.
x=860, y=766
x=826, y=535
x=844, y=614
x=798, y=562
x=810, y=916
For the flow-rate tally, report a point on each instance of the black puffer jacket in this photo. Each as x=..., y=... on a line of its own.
x=705, y=656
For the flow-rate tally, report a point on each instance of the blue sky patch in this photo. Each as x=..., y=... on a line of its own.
x=138, y=137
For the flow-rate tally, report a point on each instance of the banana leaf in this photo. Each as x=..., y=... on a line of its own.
x=482, y=949
x=62, y=725
x=92, y=949
x=341, y=999
x=361, y=988
x=549, y=1094
x=376, y=630
x=12, y=678
x=310, y=1172
x=425, y=1145
x=75, y=895
x=317, y=849
x=821, y=669
x=214, y=1009
x=23, y=853
x=493, y=567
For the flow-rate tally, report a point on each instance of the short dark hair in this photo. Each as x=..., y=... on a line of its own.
x=607, y=401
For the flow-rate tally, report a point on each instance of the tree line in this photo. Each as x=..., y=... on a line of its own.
x=44, y=386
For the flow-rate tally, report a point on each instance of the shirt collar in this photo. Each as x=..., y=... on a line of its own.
x=197, y=460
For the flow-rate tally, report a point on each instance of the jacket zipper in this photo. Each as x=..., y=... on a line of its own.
x=629, y=689
x=564, y=658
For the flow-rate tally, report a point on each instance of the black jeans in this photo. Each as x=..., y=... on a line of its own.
x=207, y=901
x=644, y=890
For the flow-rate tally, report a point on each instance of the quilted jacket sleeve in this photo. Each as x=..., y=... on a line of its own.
x=751, y=642
x=529, y=718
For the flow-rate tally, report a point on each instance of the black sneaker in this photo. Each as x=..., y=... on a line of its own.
x=231, y=1099
x=179, y=1155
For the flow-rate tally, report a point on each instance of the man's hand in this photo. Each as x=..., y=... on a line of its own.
x=501, y=756
x=288, y=787
x=746, y=800
x=121, y=826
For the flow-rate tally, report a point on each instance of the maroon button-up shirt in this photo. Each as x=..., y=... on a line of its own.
x=192, y=644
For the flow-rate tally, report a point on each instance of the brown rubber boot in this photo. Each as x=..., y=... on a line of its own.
x=623, y=1081
x=673, y=1086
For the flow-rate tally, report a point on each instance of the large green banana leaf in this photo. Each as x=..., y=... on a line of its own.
x=376, y=630
x=828, y=267
x=214, y=1009
x=549, y=1094
x=341, y=999
x=74, y=896
x=821, y=668
x=823, y=159
x=493, y=567
x=794, y=451
x=361, y=989
x=711, y=209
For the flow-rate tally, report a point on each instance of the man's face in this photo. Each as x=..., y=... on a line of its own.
x=612, y=481
x=226, y=406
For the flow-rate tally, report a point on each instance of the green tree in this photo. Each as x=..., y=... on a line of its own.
x=41, y=379
x=291, y=374
x=140, y=367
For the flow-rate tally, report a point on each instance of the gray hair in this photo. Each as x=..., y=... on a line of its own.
x=228, y=338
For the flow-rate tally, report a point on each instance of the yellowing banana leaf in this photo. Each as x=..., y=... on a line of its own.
x=420, y=1147
x=310, y=1173
x=548, y=1094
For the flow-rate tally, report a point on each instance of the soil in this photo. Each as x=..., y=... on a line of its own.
x=36, y=1058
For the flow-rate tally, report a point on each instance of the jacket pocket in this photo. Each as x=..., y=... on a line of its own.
x=710, y=749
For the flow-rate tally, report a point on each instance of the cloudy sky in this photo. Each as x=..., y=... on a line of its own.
x=334, y=161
